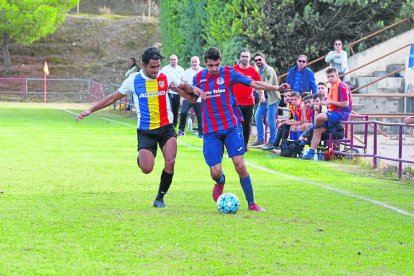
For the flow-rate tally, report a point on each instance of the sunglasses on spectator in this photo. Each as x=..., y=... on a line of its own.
x=338, y=44
x=302, y=61
x=258, y=59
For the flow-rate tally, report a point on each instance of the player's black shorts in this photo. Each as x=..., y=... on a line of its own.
x=148, y=139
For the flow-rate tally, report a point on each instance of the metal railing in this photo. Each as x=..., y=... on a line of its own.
x=376, y=33
x=126, y=103
x=349, y=141
x=65, y=90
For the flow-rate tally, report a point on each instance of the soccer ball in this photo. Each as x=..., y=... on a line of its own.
x=228, y=203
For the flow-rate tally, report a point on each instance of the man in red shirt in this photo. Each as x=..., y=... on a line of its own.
x=244, y=94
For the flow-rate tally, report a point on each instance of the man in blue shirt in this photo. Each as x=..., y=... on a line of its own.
x=300, y=78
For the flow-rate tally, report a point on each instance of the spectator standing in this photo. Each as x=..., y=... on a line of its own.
x=154, y=116
x=269, y=101
x=244, y=94
x=301, y=78
x=222, y=121
x=283, y=126
x=338, y=59
x=340, y=106
x=186, y=106
x=176, y=71
x=133, y=67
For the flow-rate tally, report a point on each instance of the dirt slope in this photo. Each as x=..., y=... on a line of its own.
x=85, y=46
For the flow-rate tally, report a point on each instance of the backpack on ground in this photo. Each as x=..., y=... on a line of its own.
x=289, y=148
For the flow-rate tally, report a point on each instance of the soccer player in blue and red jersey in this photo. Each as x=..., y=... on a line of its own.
x=340, y=106
x=222, y=121
x=154, y=115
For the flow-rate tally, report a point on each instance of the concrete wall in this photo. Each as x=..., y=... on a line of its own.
x=400, y=57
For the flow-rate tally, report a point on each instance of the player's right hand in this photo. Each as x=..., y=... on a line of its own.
x=199, y=92
x=83, y=115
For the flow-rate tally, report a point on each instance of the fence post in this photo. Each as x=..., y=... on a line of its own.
x=400, y=136
x=351, y=143
x=374, y=160
x=26, y=88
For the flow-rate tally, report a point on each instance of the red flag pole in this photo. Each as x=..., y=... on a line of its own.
x=45, y=87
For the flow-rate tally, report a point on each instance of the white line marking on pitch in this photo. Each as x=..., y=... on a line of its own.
x=326, y=187
x=296, y=178
x=103, y=118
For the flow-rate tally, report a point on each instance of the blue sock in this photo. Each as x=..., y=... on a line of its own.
x=293, y=135
x=298, y=134
x=246, y=184
x=311, y=152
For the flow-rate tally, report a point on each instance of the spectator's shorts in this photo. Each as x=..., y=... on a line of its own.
x=214, y=143
x=148, y=139
x=333, y=120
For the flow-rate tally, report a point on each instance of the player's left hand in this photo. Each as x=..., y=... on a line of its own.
x=284, y=86
x=173, y=87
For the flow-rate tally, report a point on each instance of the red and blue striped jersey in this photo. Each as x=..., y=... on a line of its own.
x=220, y=110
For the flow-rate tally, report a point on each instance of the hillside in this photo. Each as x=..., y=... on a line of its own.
x=86, y=46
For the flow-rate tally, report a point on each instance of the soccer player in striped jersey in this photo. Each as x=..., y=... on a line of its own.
x=149, y=88
x=222, y=121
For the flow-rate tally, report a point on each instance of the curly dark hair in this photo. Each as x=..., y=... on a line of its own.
x=212, y=53
x=151, y=53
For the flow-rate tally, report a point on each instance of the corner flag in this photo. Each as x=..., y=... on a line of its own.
x=46, y=69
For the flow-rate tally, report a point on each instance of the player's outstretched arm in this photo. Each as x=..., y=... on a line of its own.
x=260, y=85
x=106, y=101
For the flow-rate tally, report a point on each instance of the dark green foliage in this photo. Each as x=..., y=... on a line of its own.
x=26, y=21
x=281, y=29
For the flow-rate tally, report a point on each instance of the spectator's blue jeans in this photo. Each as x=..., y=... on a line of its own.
x=271, y=111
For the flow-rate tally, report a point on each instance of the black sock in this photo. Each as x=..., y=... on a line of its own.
x=166, y=179
x=221, y=180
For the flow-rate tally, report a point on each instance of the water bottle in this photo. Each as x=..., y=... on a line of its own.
x=190, y=124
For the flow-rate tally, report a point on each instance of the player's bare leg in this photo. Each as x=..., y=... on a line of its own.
x=169, y=151
x=145, y=160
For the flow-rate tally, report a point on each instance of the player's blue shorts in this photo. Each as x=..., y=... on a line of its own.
x=214, y=143
x=334, y=118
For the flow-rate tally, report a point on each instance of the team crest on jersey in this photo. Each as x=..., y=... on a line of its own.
x=220, y=81
x=161, y=84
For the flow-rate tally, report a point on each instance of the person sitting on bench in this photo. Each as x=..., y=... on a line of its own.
x=339, y=104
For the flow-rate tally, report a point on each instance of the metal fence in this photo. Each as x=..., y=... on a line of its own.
x=374, y=145
x=125, y=104
x=57, y=90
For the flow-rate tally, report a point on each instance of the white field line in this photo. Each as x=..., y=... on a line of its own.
x=103, y=118
x=323, y=186
x=295, y=178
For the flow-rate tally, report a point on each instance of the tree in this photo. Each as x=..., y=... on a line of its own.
x=289, y=28
x=191, y=29
x=26, y=21
x=172, y=40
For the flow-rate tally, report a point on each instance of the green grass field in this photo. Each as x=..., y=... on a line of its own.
x=72, y=201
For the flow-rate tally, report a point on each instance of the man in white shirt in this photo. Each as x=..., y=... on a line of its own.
x=186, y=106
x=176, y=71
